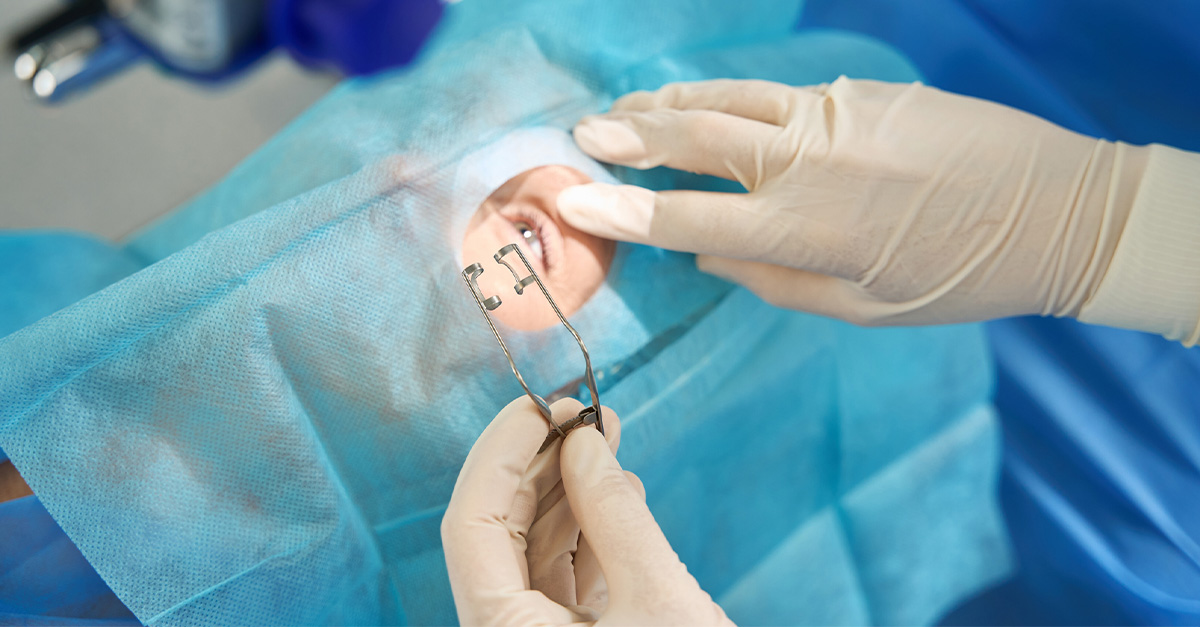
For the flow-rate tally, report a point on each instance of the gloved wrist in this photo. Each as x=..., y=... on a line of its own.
x=1092, y=228
x=1152, y=282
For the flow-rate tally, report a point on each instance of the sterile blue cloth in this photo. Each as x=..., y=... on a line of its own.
x=1106, y=474
x=43, y=577
x=42, y=272
x=265, y=425
x=1101, y=427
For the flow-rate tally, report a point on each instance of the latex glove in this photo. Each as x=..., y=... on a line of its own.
x=873, y=202
x=512, y=539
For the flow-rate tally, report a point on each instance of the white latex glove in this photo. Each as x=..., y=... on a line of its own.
x=872, y=202
x=512, y=539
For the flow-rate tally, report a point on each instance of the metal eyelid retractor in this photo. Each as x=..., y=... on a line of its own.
x=587, y=416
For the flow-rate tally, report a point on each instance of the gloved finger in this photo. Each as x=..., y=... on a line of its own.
x=541, y=520
x=689, y=221
x=707, y=142
x=542, y=477
x=553, y=538
x=637, y=484
x=612, y=428
x=554, y=535
x=800, y=290
x=591, y=590
x=633, y=554
x=486, y=564
x=763, y=101
x=706, y=223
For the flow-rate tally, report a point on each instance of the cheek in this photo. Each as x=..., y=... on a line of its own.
x=527, y=311
x=590, y=258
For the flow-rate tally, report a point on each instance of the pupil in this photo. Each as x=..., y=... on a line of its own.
x=530, y=236
x=526, y=232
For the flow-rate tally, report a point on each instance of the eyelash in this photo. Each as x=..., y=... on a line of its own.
x=537, y=221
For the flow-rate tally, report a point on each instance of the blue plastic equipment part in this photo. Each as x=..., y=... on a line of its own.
x=357, y=37
x=264, y=426
x=1102, y=463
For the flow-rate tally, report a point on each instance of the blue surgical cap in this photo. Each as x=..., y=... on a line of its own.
x=264, y=425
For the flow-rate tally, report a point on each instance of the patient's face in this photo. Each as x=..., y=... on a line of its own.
x=571, y=263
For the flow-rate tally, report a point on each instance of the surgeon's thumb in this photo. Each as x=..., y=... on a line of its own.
x=637, y=561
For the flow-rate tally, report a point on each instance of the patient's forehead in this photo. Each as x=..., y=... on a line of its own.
x=542, y=181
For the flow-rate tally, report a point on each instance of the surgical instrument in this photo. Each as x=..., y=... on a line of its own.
x=588, y=415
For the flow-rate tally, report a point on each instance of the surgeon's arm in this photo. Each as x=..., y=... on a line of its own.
x=885, y=203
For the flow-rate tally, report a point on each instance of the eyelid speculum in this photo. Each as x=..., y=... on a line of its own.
x=589, y=415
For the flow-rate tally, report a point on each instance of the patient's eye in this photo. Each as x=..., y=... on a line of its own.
x=529, y=233
x=524, y=210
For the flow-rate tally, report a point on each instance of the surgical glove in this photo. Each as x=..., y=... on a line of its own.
x=874, y=202
x=514, y=551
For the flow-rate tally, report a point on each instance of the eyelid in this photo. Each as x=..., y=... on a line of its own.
x=546, y=230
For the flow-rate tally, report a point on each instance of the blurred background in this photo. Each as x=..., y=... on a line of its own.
x=136, y=145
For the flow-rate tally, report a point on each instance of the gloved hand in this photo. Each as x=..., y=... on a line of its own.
x=512, y=533
x=873, y=202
